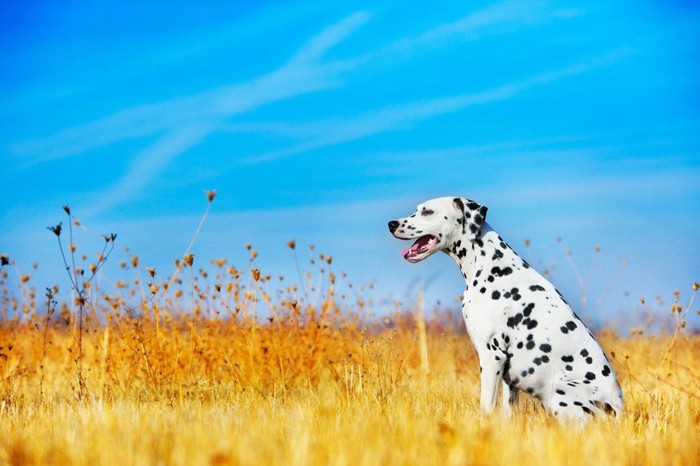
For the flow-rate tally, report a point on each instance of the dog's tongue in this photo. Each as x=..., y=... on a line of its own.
x=420, y=243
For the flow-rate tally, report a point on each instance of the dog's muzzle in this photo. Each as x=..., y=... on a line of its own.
x=393, y=225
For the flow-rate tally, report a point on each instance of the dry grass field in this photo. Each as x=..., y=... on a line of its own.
x=262, y=372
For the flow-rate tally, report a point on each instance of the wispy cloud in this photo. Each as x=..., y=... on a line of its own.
x=146, y=166
x=305, y=72
x=187, y=121
x=504, y=17
x=397, y=117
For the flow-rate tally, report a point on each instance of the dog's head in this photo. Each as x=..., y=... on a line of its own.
x=438, y=224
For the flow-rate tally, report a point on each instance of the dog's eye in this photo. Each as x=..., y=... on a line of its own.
x=426, y=212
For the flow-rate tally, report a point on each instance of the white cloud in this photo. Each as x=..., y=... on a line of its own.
x=146, y=166
x=394, y=117
x=505, y=17
x=304, y=73
x=188, y=120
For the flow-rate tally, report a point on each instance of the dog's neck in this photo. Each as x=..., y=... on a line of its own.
x=486, y=251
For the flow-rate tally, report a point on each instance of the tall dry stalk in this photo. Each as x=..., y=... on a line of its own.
x=80, y=285
x=422, y=337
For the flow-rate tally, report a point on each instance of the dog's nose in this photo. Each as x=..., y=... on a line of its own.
x=393, y=225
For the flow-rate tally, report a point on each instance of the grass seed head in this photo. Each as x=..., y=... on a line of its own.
x=56, y=229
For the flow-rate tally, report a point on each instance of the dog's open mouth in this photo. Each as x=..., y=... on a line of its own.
x=420, y=249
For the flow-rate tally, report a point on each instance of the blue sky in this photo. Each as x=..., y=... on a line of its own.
x=321, y=122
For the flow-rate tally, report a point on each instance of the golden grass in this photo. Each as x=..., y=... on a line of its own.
x=313, y=391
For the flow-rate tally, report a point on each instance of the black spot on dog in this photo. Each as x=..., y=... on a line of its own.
x=495, y=295
x=589, y=360
x=528, y=309
x=536, y=288
x=482, y=290
x=537, y=361
x=578, y=403
x=605, y=371
x=523, y=373
x=497, y=255
x=531, y=370
x=561, y=403
x=586, y=410
x=590, y=375
x=520, y=345
x=478, y=273
x=571, y=325
x=512, y=322
x=584, y=352
x=501, y=272
x=490, y=279
x=567, y=358
x=545, y=358
x=532, y=324
x=568, y=368
x=530, y=345
x=530, y=390
x=546, y=347
x=561, y=392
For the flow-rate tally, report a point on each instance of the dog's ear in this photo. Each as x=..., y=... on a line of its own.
x=473, y=215
x=458, y=204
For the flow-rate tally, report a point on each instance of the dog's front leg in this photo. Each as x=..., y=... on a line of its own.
x=491, y=376
x=509, y=398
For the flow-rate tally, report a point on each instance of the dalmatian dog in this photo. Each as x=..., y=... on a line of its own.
x=526, y=335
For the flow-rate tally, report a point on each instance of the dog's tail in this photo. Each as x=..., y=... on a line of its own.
x=615, y=405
